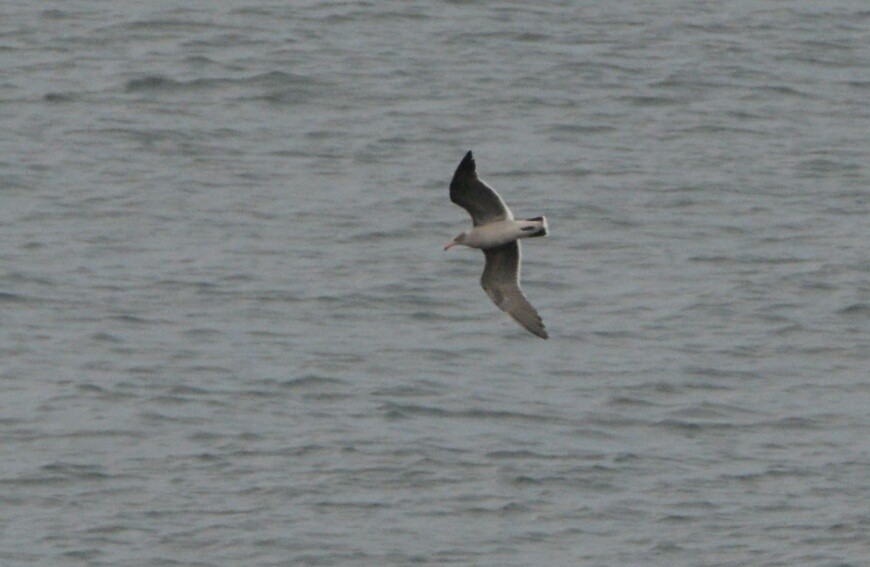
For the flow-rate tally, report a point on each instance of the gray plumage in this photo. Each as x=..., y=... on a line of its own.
x=482, y=203
x=501, y=282
x=496, y=233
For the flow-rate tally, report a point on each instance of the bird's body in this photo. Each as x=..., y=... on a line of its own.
x=496, y=233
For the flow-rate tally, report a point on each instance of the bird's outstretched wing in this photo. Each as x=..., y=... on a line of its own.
x=501, y=281
x=482, y=203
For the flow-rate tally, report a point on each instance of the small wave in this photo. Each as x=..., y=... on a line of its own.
x=162, y=83
x=520, y=454
x=628, y=401
x=311, y=381
x=58, y=97
x=55, y=14
x=710, y=372
x=861, y=309
x=583, y=129
x=202, y=333
x=794, y=423
x=649, y=100
x=74, y=471
x=680, y=425
x=825, y=165
x=151, y=83
x=422, y=388
x=398, y=411
x=781, y=90
x=104, y=337
x=188, y=391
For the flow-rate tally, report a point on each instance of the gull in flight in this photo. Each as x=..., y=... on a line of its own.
x=496, y=233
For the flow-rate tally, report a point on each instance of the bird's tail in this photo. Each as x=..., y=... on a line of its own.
x=535, y=227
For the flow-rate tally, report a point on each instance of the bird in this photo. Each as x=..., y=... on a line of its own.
x=496, y=233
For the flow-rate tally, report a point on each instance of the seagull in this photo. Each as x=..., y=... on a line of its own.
x=496, y=233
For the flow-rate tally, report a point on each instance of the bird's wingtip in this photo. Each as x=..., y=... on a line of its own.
x=467, y=161
x=538, y=329
x=465, y=170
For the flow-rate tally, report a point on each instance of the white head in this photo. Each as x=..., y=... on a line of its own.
x=458, y=240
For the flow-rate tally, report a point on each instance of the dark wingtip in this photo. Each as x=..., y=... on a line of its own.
x=467, y=161
x=464, y=170
x=540, y=332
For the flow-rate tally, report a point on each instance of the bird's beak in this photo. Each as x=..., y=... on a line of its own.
x=450, y=245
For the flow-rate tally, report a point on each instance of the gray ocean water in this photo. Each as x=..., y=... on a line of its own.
x=229, y=334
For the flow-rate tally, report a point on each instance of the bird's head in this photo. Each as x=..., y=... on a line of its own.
x=458, y=240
